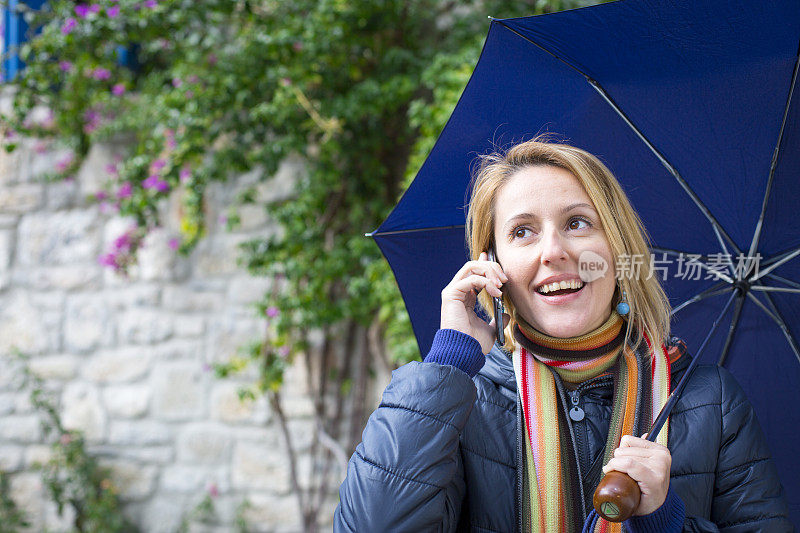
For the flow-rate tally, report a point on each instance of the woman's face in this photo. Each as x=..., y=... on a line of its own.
x=544, y=221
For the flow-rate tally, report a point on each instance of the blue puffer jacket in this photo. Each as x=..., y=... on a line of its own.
x=441, y=453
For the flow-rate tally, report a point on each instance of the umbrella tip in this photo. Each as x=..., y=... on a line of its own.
x=490, y=17
x=369, y=234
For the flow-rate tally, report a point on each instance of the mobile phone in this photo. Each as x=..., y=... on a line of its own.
x=498, y=306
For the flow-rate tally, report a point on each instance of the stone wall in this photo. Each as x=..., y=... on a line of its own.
x=129, y=359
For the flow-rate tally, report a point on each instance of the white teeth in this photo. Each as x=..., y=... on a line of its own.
x=550, y=287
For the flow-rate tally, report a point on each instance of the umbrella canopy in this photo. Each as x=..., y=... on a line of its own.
x=694, y=106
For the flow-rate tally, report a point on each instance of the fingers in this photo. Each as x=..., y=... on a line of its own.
x=484, y=267
x=630, y=440
x=475, y=283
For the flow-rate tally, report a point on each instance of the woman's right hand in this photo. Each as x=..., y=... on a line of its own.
x=460, y=295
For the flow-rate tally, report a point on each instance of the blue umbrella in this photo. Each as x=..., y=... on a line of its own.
x=691, y=106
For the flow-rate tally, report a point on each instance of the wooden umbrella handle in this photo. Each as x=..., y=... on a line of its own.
x=616, y=497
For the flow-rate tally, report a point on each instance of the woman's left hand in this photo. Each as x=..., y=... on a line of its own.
x=648, y=464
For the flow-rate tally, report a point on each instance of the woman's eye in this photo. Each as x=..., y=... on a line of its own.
x=575, y=223
x=520, y=233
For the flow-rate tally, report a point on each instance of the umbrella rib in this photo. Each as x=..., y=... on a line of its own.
x=776, y=264
x=415, y=230
x=782, y=323
x=737, y=313
x=779, y=257
x=774, y=289
x=773, y=165
x=711, y=291
x=764, y=308
x=783, y=280
x=596, y=85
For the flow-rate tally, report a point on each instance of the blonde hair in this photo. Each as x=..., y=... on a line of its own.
x=649, y=305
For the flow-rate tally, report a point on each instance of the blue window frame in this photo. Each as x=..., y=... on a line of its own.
x=15, y=32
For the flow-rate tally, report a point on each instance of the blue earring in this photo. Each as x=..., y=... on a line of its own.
x=623, y=308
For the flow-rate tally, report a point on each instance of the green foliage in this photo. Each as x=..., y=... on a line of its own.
x=358, y=90
x=12, y=518
x=72, y=476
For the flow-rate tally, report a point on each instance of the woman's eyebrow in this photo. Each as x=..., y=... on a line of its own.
x=566, y=209
x=573, y=206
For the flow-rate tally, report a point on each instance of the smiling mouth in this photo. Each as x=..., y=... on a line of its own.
x=550, y=291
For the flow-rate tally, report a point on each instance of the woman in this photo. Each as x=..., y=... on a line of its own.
x=484, y=438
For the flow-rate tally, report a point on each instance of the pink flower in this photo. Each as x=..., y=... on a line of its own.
x=174, y=243
x=118, y=89
x=189, y=94
x=176, y=82
x=171, y=144
x=101, y=74
x=286, y=82
x=94, y=8
x=111, y=169
x=112, y=11
x=108, y=260
x=185, y=174
x=63, y=164
x=82, y=10
x=212, y=59
x=273, y=311
x=213, y=491
x=157, y=165
x=125, y=190
x=297, y=46
x=65, y=66
x=40, y=147
x=68, y=26
x=284, y=351
x=193, y=78
x=151, y=3
x=155, y=182
x=100, y=195
x=65, y=439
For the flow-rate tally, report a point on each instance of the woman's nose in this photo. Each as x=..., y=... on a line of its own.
x=552, y=246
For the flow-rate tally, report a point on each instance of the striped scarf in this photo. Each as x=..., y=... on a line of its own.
x=551, y=488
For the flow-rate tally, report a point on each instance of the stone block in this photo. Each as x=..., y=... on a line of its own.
x=23, y=198
x=270, y=513
x=62, y=277
x=187, y=298
x=179, y=390
x=60, y=367
x=37, y=454
x=59, y=238
x=163, y=512
x=83, y=411
x=28, y=492
x=204, y=444
x=62, y=195
x=127, y=401
x=227, y=407
x=192, y=479
x=256, y=466
x=144, y=326
x=23, y=325
x=154, y=455
x=10, y=458
x=189, y=325
x=133, y=480
x=139, y=433
x=23, y=429
x=245, y=290
x=228, y=333
x=118, y=366
x=88, y=323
